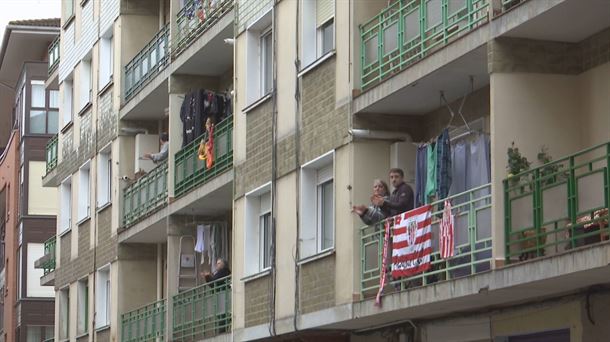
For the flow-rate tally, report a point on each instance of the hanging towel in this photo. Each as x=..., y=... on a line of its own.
x=199, y=246
x=446, y=241
x=420, y=175
x=443, y=165
x=431, y=174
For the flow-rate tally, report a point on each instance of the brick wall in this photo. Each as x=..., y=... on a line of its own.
x=511, y=55
x=106, y=244
x=256, y=170
x=317, y=284
x=102, y=336
x=286, y=156
x=249, y=10
x=323, y=126
x=256, y=294
x=107, y=126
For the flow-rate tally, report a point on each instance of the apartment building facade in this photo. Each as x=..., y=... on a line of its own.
x=324, y=97
x=29, y=113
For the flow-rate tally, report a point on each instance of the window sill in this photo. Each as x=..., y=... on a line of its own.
x=64, y=232
x=69, y=21
x=106, y=87
x=318, y=256
x=85, y=108
x=86, y=333
x=102, y=328
x=103, y=206
x=316, y=63
x=257, y=103
x=67, y=126
x=256, y=276
x=83, y=220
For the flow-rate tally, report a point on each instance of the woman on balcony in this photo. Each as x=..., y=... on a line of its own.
x=373, y=214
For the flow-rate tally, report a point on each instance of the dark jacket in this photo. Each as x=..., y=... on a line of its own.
x=219, y=274
x=401, y=200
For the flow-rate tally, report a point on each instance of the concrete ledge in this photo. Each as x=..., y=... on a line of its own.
x=145, y=92
x=50, y=179
x=201, y=191
x=48, y=280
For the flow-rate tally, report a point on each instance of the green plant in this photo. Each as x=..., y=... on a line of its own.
x=516, y=162
x=549, y=172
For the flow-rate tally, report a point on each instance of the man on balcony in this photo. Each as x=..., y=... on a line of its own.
x=162, y=155
x=401, y=199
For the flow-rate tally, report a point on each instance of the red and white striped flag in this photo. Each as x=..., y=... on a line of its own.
x=412, y=242
x=446, y=243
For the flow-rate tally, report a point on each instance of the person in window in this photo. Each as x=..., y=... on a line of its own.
x=162, y=155
x=401, y=199
x=222, y=271
x=373, y=214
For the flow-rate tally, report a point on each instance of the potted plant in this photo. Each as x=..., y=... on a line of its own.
x=516, y=165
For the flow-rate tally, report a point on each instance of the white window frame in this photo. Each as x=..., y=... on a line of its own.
x=106, y=59
x=314, y=175
x=104, y=177
x=312, y=33
x=85, y=84
x=103, y=296
x=254, y=58
x=64, y=313
x=64, y=223
x=266, y=86
x=84, y=191
x=82, y=302
x=67, y=110
x=258, y=204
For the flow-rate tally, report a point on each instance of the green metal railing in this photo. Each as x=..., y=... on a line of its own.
x=558, y=206
x=196, y=17
x=472, y=236
x=508, y=4
x=51, y=152
x=151, y=60
x=192, y=172
x=409, y=30
x=144, y=324
x=203, y=311
x=54, y=55
x=49, y=249
x=146, y=195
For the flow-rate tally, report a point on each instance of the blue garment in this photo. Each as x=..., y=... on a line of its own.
x=420, y=175
x=443, y=165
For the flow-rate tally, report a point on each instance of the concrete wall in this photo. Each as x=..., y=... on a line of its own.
x=594, y=87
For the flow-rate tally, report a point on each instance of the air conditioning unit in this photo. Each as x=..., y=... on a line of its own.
x=145, y=143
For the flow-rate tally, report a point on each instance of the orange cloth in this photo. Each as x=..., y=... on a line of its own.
x=206, y=148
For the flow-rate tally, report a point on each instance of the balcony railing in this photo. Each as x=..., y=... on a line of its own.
x=196, y=17
x=145, y=196
x=151, y=60
x=558, y=206
x=409, y=30
x=192, y=172
x=53, y=55
x=51, y=152
x=48, y=265
x=203, y=311
x=472, y=236
x=144, y=324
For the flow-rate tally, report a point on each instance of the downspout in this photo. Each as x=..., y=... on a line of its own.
x=297, y=149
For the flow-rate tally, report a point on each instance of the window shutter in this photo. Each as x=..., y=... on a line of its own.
x=325, y=9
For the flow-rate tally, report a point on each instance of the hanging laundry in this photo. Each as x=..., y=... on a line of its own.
x=412, y=242
x=420, y=175
x=443, y=165
x=446, y=241
x=382, y=277
x=431, y=172
x=199, y=245
x=206, y=147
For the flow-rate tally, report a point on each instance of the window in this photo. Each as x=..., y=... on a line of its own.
x=104, y=178
x=318, y=30
x=38, y=94
x=317, y=206
x=68, y=107
x=43, y=120
x=84, y=198
x=106, y=60
x=68, y=9
x=86, y=84
x=259, y=55
x=65, y=208
x=82, y=301
x=53, y=113
x=64, y=313
x=258, y=230
x=35, y=251
x=102, y=297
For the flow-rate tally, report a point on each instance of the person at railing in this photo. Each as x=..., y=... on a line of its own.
x=162, y=155
x=401, y=199
x=373, y=214
x=222, y=271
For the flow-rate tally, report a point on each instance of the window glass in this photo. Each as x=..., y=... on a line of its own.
x=37, y=121
x=38, y=94
x=53, y=121
x=326, y=214
x=53, y=98
x=328, y=37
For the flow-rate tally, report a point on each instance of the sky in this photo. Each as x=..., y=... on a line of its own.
x=27, y=9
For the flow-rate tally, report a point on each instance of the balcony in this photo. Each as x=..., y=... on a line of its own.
x=473, y=244
x=54, y=55
x=47, y=262
x=558, y=206
x=195, y=18
x=144, y=324
x=51, y=153
x=151, y=60
x=147, y=195
x=409, y=30
x=203, y=311
x=192, y=172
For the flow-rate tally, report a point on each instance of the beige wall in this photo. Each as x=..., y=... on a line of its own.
x=286, y=240
x=286, y=71
x=345, y=235
x=594, y=90
x=238, y=299
x=38, y=197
